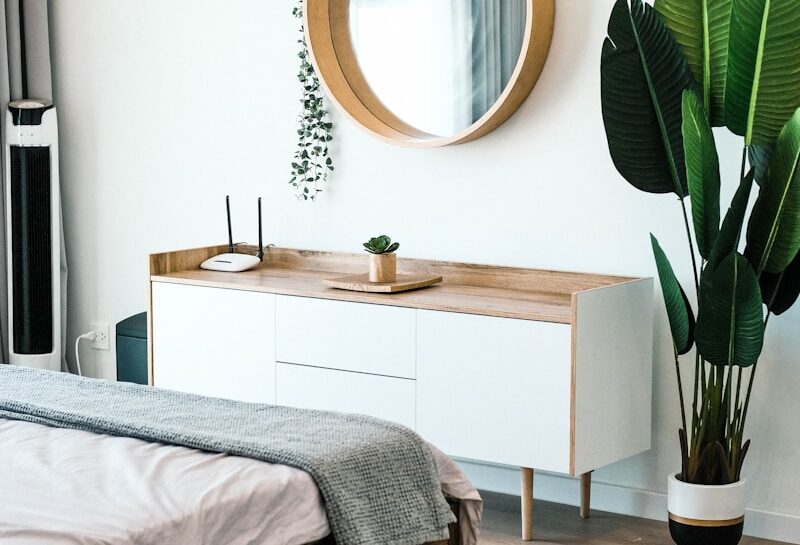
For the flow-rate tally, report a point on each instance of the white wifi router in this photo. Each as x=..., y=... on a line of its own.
x=232, y=261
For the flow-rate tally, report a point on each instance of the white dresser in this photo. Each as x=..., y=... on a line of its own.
x=529, y=368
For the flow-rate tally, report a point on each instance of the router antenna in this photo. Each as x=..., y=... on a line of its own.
x=230, y=231
x=260, y=239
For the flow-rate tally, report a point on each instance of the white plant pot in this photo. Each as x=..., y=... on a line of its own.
x=705, y=515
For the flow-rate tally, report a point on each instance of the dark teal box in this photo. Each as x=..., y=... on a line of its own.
x=132, y=349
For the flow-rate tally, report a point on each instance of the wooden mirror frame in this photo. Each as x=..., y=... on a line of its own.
x=328, y=38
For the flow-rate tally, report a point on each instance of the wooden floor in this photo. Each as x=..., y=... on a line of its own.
x=560, y=524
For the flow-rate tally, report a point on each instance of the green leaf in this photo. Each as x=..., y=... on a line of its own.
x=763, y=81
x=380, y=245
x=729, y=234
x=702, y=27
x=679, y=311
x=702, y=172
x=382, y=242
x=730, y=320
x=773, y=234
x=780, y=291
x=643, y=75
x=759, y=156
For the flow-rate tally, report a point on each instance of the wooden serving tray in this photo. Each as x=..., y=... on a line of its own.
x=404, y=282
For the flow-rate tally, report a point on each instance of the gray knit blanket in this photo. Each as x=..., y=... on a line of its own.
x=378, y=479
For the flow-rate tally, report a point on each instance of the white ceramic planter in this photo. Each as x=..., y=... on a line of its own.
x=705, y=515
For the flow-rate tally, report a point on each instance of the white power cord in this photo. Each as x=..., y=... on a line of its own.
x=90, y=336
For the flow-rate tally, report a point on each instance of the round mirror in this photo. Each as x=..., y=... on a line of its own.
x=429, y=72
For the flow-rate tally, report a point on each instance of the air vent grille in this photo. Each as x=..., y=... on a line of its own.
x=31, y=235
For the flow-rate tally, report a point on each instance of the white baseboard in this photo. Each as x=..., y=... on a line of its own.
x=619, y=499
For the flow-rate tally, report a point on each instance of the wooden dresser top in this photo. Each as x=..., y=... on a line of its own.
x=508, y=292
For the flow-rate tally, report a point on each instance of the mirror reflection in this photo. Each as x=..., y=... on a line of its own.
x=438, y=65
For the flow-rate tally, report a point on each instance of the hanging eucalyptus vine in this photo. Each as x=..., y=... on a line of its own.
x=312, y=162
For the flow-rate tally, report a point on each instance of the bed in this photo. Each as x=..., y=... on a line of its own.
x=70, y=486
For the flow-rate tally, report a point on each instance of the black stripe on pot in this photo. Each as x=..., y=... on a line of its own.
x=705, y=532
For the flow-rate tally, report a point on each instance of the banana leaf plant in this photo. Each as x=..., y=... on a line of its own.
x=669, y=73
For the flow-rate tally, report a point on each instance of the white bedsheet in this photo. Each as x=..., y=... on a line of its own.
x=68, y=487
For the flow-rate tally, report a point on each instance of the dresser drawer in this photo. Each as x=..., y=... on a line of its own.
x=214, y=342
x=343, y=391
x=347, y=336
x=495, y=389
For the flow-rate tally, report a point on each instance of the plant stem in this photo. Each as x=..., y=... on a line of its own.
x=741, y=180
x=730, y=410
x=680, y=392
x=703, y=376
x=696, y=374
x=731, y=405
x=750, y=384
x=739, y=387
x=747, y=398
x=706, y=59
x=744, y=163
x=755, y=365
x=695, y=417
x=691, y=246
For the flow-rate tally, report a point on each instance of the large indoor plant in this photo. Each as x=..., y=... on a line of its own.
x=668, y=74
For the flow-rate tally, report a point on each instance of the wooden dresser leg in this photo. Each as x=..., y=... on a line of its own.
x=586, y=495
x=527, y=503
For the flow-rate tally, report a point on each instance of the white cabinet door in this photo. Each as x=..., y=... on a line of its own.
x=342, y=391
x=495, y=389
x=214, y=342
x=348, y=336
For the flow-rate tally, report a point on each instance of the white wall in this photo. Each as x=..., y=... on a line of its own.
x=165, y=107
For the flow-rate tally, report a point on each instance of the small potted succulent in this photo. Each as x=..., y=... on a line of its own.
x=382, y=259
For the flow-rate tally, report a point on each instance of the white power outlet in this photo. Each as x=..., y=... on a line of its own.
x=101, y=336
